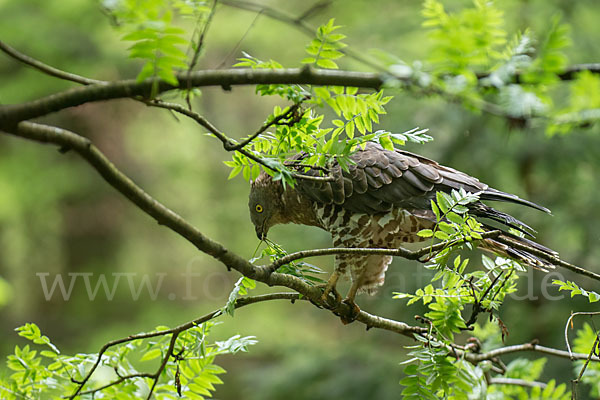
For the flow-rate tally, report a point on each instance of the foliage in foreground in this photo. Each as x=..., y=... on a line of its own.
x=40, y=371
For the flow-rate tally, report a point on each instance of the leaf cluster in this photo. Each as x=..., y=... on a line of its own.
x=298, y=268
x=575, y=290
x=190, y=370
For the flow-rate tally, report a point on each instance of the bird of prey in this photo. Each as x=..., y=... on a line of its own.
x=382, y=201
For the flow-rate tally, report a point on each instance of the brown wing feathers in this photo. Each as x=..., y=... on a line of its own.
x=379, y=179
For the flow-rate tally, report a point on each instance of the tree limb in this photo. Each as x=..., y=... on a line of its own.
x=117, y=381
x=45, y=68
x=547, y=257
x=299, y=23
x=11, y=114
x=517, y=382
x=228, y=143
x=241, y=302
x=399, y=252
x=532, y=346
x=569, y=321
x=165, y=216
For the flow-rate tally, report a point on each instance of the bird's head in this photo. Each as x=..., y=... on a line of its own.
x=265, y=204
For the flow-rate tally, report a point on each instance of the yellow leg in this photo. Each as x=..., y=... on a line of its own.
x=330, y=288
x=352, y=292
x=349, y=300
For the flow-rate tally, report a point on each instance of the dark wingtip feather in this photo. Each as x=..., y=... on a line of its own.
x=496, y=195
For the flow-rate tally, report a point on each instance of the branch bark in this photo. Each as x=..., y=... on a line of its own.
x=476, y=358
x=399, y=252
x=174, y=332
x=228, y=143
x=45, y=68
x=12, y=114
x=517, y=382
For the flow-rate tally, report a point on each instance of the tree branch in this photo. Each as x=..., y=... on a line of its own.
x=517, y=382
x=116, y=382
x=416, y=255
x=241, y=302
x=533, y=346
x=228, y=143
x=399, y=252
x=45, y=68
x=168, y=218
x=569, y=321
x=547, y=257
x=11, y=114
x=300, y=24
x=165, y=216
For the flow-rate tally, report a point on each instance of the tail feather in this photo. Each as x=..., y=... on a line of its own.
x=482, y=210
x=497, y=195
x=523, y=250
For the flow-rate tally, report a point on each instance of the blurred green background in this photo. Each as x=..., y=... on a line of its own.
x=57, y=216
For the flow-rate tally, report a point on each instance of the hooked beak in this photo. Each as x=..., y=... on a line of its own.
x=259, y=232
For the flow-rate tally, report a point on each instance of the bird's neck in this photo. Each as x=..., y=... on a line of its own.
x=297, y=209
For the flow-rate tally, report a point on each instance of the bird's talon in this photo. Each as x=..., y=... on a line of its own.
x=326, y=298
x=353, y=314
x=329, y=288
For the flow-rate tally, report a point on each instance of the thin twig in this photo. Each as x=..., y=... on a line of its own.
x=399, y=252
x=300, y=24
x=45, y=68
x=547, y=257
x=574, y=382
x=164, y=362
x=116, y=382
x=517, y=382
x=237, y=45
x=228, y=143
x=574, y=314
x=288, y=113
x=477, y=301
x=198, y=48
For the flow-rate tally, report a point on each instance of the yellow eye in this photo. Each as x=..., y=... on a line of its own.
x=259, y=208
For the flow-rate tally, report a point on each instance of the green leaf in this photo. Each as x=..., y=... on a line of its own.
x=435, y=210
x=426, y=233
x=235, y=171
x=151, y=354
x=441, y=235
x=350, y=129
x=442, y=202
x=386, y=143
x=325, y=63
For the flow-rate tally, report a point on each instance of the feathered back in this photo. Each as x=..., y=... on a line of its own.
x=378, y=180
